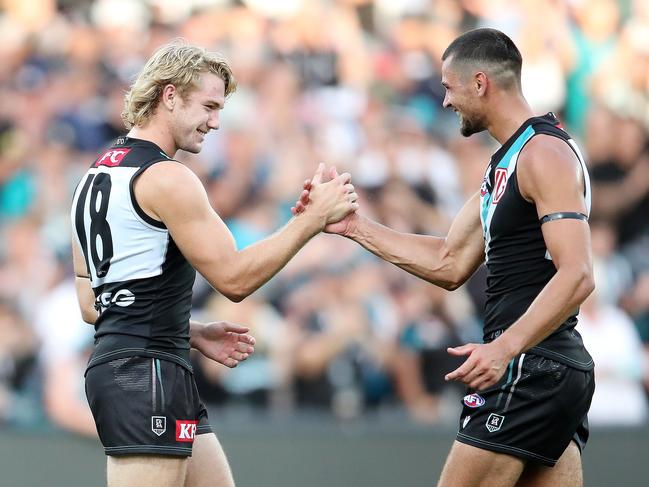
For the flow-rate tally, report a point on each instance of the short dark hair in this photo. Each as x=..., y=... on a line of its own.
x=487, y=46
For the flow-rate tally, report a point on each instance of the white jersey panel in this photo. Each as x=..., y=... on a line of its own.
x=138, y=248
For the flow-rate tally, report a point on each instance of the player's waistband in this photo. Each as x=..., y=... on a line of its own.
x=564, y=345
x=107, y=348
x=567, y=325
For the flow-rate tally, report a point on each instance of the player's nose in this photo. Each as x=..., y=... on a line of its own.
x=213, y=122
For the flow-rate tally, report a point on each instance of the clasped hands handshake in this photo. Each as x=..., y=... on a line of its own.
x=330, y=197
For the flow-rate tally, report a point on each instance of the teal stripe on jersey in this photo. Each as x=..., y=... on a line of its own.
x=516, y=146
x=505, y=161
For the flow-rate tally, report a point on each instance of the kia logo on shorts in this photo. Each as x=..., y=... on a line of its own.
x=473, y=400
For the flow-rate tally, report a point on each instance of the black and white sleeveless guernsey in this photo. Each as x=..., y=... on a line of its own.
x=142, y=283
x=518, y=262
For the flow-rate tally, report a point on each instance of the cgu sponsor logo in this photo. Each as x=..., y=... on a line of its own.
x=473, y=400
x=185, y=430
x=122, y=298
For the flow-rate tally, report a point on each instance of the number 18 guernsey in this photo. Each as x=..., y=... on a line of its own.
x=142, y=283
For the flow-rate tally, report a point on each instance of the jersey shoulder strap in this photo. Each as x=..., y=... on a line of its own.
x=550, y=125
x=130, y=152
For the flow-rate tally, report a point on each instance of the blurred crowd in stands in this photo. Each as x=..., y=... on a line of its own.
x=353, y=83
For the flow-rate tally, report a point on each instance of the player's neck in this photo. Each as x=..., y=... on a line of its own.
x=503, y=123
x=157, y=134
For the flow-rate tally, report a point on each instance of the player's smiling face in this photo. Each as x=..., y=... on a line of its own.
x=460, y=96
x=198, y=112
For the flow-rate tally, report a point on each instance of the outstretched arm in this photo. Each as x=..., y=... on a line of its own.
x=550, y=176
x=173, y=194
x=446, y=262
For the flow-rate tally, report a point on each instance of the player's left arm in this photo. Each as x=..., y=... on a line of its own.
x=85, y=294
x=551, y=177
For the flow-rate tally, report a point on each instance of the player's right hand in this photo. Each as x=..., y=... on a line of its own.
x=303, y=200
x=334, y=199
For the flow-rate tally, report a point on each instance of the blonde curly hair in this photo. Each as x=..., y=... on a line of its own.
x=176, y=63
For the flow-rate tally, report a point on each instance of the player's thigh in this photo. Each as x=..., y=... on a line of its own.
x=146, y=471
x=566, y=473
x=208, y=466
x=469, y=466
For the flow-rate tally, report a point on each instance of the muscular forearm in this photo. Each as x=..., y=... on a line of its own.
x=423, y=256
x=252, y=267
x=565, y=292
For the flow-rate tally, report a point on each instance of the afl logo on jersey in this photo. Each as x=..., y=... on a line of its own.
x=484, y=188
x=473, y=401
x=500, y=184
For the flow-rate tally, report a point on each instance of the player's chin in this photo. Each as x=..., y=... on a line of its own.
x=467, y=128
x=194, y=147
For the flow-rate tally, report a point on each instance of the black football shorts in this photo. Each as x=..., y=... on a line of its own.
x=533, y=412
x=144, y=405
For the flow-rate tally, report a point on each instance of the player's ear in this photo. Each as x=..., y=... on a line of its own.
x=480, y=82
x=169, y=96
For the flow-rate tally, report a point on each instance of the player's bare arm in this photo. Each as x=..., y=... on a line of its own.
x=173, y=194
x=550, y=176
x=85, y=295
x=444, y=261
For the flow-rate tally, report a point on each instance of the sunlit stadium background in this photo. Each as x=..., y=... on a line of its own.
x=346, y=386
